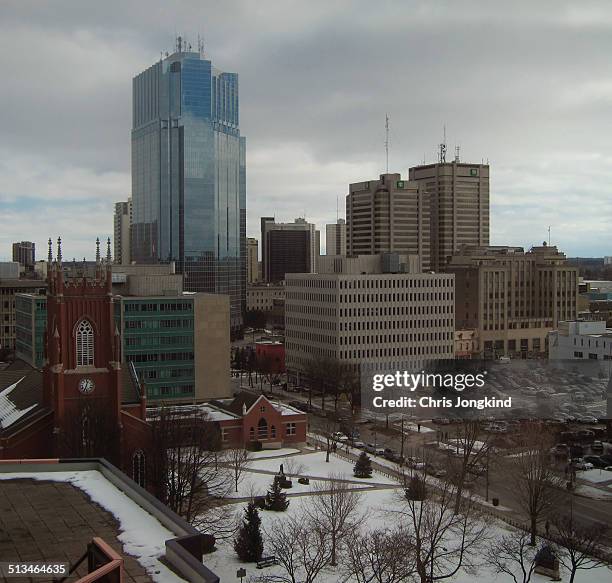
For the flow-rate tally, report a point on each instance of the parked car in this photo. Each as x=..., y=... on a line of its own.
x=587, y=419
x=359, y=444
x=370, y=448
x=582, y=465
x=597, y=446
x=586, y=434
x=595, y=460
x=607, y=458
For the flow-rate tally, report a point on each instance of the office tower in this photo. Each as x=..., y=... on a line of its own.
x=288, y=248
x=374, y=310
x=252, y=260
x=459, y=195
x=24, y=254
x=335, y=238
x=122, y=238
x=512, y=298
x=189, y=174
x=388, y=215
x=581, y=340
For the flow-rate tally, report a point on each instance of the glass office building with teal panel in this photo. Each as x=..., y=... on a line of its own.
x=189, y=175
x=30, y=323
x=157, y=336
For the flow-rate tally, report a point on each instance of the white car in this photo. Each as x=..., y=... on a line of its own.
x=584, y=466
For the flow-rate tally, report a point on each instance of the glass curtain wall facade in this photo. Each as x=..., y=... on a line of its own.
x=189, y=175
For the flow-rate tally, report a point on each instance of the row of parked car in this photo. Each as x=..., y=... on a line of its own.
x=373, y=449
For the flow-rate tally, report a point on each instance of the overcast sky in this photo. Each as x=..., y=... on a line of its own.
x=525, y=85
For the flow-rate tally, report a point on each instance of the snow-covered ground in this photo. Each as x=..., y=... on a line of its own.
x=595, y=476
x=377, y=505
x=265, y=453
x=314, y=465
x=142, y=535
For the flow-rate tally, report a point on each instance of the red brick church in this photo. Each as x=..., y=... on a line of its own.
x=86, y=403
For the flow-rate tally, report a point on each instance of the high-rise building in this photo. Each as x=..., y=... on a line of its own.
x=374, y=310
x=189, y=174
x=388, y=215
x=288, y=248
x=24, y=253
x=459, y=197
x=252, y=260
x=512, y=298
x=122, y=238
x=335, y=238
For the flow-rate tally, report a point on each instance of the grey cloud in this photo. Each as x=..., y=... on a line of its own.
x=524, y=84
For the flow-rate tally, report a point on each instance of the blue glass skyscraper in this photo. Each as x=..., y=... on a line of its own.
x=189, y=174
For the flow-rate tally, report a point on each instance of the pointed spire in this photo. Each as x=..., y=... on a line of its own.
x=97, y=250
x=50, y=258
x=108, y=252
x=59, y=250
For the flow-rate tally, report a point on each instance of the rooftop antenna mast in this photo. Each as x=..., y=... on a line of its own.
x=337, y=216
x=549, y=235
x=442, y=153
x=457, y=152
x=387, y=140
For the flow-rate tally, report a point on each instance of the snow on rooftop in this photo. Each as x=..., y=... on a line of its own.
x=142, y=535
x=9, y=413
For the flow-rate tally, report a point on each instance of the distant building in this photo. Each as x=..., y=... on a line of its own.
x=335, y=238
x=512, y=298
x=252, y=261
x=288, y=248
x=262, y=296
x=9, y=288
x=607, y=260
x=24, y=253
x=466, y=344
x=581, y=340
x=459, y=198
x=388, y=215
x=376, y=310
x=9, y=270
x=189, y=174
x=122, y=237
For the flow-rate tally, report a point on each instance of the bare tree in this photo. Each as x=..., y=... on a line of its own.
x=184, y=469
x=513, y=555
x=445, y=538
x=579, y=543
x=292, y=466
x=473, y=448
x=538, y=484
x=380, y=556
x=237, y=459
x=334, y=508
x=301, y=548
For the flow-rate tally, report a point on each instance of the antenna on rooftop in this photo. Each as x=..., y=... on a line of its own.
x=457, y=152
x=200, y=45
x=442, y=152
x=336, y=209
x=549, y=235
x=387, y=140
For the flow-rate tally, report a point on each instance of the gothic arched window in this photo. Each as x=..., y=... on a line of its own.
x=138, y=467
x=85, y=344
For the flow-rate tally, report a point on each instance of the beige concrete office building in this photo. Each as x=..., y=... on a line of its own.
x=513, y=298
x=388, y=215
x=252, y=260
x=122, y=222
x=369, y=310
x=335, y=238
x=459, y=196
x=264, y=295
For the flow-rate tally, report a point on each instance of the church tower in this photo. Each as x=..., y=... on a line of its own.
x=82, y=376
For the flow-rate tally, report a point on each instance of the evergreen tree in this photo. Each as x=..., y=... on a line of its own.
x=249, y=542
x=276, y=499
x=363, y=466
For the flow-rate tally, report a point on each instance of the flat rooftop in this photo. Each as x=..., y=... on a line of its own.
x=54, y=521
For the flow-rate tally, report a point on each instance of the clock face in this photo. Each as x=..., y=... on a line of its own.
x=86, y=386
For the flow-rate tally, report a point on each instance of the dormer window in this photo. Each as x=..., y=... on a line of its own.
x=85, y=344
